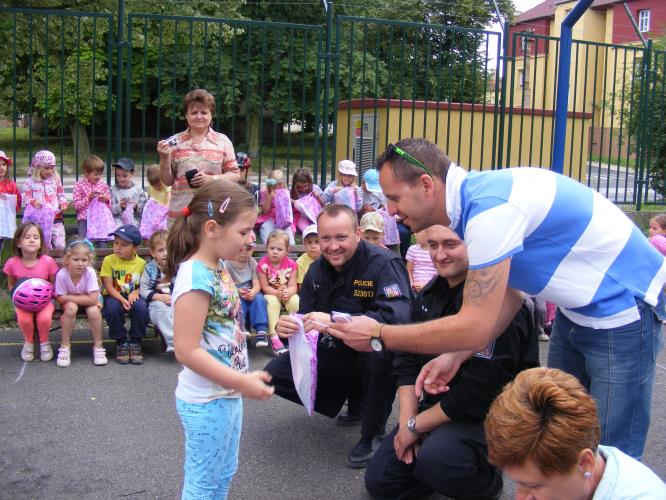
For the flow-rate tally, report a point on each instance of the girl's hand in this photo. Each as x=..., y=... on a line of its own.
x=284, y=295
x=91, y=195
x=36, y=203
x=126, y=304
x=63, y=206
x=103, y=198
x=250, y=295
x=123, y=203
x=255, y=386
x=163, y=297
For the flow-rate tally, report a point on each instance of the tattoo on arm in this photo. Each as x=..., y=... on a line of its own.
x=481, y=284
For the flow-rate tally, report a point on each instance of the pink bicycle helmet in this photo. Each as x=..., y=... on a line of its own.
x=32, y=294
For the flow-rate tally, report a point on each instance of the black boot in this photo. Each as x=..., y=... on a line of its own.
x=352, y=416
x=361, y=454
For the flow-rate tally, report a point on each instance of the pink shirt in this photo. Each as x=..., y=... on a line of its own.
x=81, y=193
x=213, y=156
x=278, y=277
x=65, y=286
x=424, y=269
x=44, y=268
x=659, y=242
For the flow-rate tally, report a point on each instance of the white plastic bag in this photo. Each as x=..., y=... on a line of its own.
x=7, y=216
x=303, y=356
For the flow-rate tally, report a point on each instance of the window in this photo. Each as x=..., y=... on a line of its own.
x=643, y=21
x=521, y=77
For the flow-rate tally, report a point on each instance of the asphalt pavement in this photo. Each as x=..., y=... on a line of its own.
x=112, y=432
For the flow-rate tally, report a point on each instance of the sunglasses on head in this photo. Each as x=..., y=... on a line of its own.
x=395, y=150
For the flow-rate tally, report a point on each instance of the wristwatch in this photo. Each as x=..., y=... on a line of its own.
x=411, y=425
x=376, y=341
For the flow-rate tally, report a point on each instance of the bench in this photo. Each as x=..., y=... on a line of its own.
x=144, y=253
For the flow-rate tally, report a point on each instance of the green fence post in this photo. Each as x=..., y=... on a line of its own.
x=642, y=124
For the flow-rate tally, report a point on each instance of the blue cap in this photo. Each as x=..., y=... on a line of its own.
x=125, y=164
x=128, y=232
x=371, y=179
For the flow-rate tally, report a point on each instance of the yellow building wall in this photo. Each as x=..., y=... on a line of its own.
x=599, y=74
x=467, y=137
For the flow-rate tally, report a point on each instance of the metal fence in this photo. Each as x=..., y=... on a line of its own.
x=82, y=82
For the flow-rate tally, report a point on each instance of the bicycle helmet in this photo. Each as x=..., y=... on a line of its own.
x=32, y=294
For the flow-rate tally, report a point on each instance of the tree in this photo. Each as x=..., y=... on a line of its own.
x=63, y=65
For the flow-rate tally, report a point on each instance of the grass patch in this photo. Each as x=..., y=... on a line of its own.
x=7, y=318
x=615, y=160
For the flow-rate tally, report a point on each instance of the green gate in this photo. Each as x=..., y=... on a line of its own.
x=80, y=82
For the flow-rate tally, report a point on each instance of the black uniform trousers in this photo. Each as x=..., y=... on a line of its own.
x=343, y=372
x=451, y=461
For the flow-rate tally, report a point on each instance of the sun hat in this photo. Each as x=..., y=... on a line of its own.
x=311, y=229
x=347, y=167
x=7, y=159
x=371, y=179
x=372, y=221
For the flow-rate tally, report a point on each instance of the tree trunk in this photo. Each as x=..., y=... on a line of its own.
x=80, y=141
x=254, y=140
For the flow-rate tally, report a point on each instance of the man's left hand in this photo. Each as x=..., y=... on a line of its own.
x=356, y=334
x=405, y=444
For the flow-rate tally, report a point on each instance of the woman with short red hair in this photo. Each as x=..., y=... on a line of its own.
x=543, y=432
x=207, y=155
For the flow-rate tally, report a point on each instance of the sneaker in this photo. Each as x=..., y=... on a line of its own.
x=28, y=352
x=64, y=354
x=99, y=356
x=136, y=354
x=260, y=340
x=170, y=349
x=45, y=352
x=122, y=353
x=543, y=337
x=277, y=346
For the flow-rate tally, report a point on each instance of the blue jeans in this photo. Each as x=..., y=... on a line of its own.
x=617, y=366
x=212, y=436
x=114, y=314
x=257, y=311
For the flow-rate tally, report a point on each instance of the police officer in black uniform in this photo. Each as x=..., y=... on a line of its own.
x=353, y=277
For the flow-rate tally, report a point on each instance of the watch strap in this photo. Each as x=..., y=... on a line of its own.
x=377, y=330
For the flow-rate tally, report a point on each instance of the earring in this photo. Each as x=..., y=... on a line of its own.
x=587, y=475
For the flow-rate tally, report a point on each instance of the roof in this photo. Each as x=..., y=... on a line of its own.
x=547, y=9
x=544, y=9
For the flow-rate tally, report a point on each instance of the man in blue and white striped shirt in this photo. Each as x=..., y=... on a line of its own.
x=532, y=230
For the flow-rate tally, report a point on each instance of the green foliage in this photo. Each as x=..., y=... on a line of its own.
x=62, y=67
x=644, y=115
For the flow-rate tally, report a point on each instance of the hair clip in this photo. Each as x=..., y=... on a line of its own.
x=224, y=205
x=85, y=242
x=271, y=182
x=186, y=211
x=210, y=209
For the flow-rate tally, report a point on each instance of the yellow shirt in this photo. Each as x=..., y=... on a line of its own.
x=302, y=266
x=126, y=274
x=161, y=197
